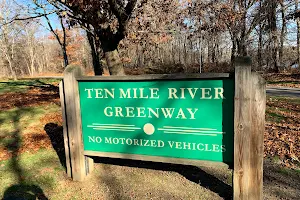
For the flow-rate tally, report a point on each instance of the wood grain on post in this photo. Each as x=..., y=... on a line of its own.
x=258, y=107
x=242, y=128
x=65, y=131
x=249, y=125
x=78, y=161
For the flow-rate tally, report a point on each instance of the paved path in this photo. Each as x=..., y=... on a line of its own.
x=290, y=92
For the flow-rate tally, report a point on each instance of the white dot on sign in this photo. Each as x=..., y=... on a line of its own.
x=149, y=129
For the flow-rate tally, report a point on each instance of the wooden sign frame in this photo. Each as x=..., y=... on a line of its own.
x=249, y=121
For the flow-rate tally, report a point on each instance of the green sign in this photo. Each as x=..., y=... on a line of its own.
x=190, y=119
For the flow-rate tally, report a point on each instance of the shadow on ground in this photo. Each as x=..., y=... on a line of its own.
x=192, y=173
x=31, y=83
x=23, y=189
x=280, y=182
x=55, y=133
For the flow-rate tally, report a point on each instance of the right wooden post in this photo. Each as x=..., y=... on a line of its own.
x=249, y=122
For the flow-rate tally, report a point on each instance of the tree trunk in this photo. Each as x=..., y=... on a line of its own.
x=260, y=37
x=273, y=35
x=282, y=34
x=241, y=44
x=13, y=73
x=66, y=60
x=28, y=66
x=298, y=33
x=98, y=68
x=109, y=44
x=214, y=50
x=242, y=48
x=201, y=56
x=64, y=43
x=179, y=49
x=233, y=50
x=32, y=68
x=210, y=49
x=114, y=63
x=185, y=52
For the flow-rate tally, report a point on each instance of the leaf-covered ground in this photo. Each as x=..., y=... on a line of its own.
x=283, y=80
x=282, y=133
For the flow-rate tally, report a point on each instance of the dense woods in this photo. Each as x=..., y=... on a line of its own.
x=41, y=37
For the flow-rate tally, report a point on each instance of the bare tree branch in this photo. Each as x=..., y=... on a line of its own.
x=28, y=18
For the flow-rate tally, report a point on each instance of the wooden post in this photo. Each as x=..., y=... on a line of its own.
x=79, y=164
x=258, y=107
x=249, y=116
x=65, y=128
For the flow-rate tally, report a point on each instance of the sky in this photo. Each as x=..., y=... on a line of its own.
x=44, y=29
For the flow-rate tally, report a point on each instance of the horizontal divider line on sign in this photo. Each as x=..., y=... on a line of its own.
x=112, y=124
x=174, y=127
x=189, y=131
x=174, y=132
x=111, y=129
x=115, y=127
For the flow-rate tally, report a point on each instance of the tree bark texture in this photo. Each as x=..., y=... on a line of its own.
x=114, y=63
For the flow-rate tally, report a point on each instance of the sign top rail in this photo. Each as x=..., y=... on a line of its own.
x=155, y=77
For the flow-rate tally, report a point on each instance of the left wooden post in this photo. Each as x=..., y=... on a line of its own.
x=78, y=165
